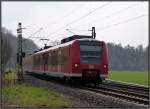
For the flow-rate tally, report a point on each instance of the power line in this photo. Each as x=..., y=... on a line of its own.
x=75, y=9
x=56, y=21
x=78, y=29
x=35, y=33
x=76, y=20
x=72, y=21
x=70, y=31
x=100, y=7
x=68, y=14
x=122, y=22
x=115, y=13
x=124, y=9
x=37, y=37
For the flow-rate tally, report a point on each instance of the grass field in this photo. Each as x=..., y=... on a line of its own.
x=137, y=77
x=10, y=75
x=22, y=95
x=29, y=96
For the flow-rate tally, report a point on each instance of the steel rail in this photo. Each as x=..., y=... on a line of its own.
x=112, y=91
x=118, y=95
x=127, y=86
x=127, y=89
x=133, y=93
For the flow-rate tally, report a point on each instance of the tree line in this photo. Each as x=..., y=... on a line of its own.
x=9, y=48
x=120, y=58
x=128, y=57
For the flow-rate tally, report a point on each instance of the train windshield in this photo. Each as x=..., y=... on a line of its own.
x=90, y=52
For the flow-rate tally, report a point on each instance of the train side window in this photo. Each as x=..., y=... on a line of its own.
x=34, y=61
x=69, y=50
x=56, y=59
x=49, y=59
x=52, y=58
x=39, y=60
x=46, y=59
x=43, y=59
x=60, y=57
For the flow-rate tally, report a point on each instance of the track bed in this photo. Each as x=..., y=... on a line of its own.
x=80, y=97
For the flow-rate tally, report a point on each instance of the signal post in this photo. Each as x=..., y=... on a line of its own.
x=19, y=54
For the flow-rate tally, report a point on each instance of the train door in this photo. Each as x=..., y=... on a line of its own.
x=45, y=62
x=58, y=61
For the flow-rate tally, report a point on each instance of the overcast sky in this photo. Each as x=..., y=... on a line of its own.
x=117, y=22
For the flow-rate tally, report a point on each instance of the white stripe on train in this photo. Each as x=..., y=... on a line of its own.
x=61, y=74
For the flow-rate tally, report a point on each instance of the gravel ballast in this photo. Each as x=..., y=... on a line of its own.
x=82, y=98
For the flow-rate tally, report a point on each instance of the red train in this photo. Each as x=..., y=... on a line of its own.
x=80, y=57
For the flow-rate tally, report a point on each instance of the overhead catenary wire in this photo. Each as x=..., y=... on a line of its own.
x=70, y=31
x=100, y=7
x=115, y=13
x=105, y=27
x=72, y=21
x=122, y=22
x=35, y=33
x=36, y=37
x=31, y=36
x=124, y=9
x=75, y=9
x=74, y=29
x=76, y=20
x=66, y=15
x=78, y=29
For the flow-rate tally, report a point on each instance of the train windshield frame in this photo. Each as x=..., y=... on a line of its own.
x=90, y=52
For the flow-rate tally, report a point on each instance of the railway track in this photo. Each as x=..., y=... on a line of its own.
x=130, y=93
x=117, y=90
x=128, y=86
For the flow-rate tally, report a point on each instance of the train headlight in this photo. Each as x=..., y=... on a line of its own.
x=105, y=66
x=76, y=65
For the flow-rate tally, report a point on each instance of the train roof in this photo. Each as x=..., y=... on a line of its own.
x=54, y=47
x=64, y=44
x=74, y=37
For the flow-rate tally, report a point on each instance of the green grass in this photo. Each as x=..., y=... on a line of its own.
x=10, y=75
x=29, y=96
x=138, y=77
x=22, y=95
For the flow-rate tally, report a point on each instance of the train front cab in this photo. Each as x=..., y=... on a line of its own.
x=91, y=61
